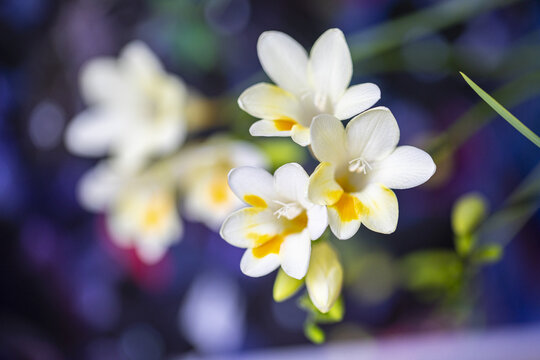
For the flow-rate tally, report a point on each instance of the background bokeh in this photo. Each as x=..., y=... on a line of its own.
x=67, y=292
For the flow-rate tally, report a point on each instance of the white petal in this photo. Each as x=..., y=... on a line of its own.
x=405, y=168
x=381, y=208
x=92, y=132
x=131, y=153
x=372, y=135
x=342, y=229
x=291, y=182
x=356, y=99
x=267, y=101
x=248, y=183
x=209, y=199
x=294, y=254
x=101, y=80
x=151, y=254
x=140, y=63
x=270, y=128
x=301, y=135
x=98, y=187
x=249, y=227
x=323, y=188
x=244, y=153
x=330, y=65
x=317, y=221
x=257, y=267
x=284, y=61
x=328, y=139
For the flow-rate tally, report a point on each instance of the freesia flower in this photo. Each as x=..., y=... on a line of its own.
x=203, y=170
x=145, y=218
x=140, y=210
x=306, y=87
x=280, y=223
x=324, y=277
x=136, y=109
x=359, y=165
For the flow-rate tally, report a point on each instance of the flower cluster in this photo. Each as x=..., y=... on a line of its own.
x=359, y=165
x=138, y=119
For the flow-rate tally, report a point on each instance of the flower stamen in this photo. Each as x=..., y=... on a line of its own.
x=288, y=210
x=359, y=165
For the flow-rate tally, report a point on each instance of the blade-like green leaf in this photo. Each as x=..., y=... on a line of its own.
x=518, y=125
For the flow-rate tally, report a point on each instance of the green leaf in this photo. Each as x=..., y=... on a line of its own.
x=488, y=254
x=285, y=286
x=468, y=212
x=518, y=125
x=442, y=147
x=314, y=333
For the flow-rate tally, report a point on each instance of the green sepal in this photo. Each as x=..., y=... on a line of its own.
x=285, y=286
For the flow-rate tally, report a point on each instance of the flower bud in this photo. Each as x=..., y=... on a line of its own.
x=324, y=277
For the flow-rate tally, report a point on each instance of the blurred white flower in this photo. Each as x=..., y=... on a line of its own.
x=202, y=172
x=140, y=210
x=278, y=226
x=324, y=277
x=306, y=87
x=136, y=109
x=212, y=315
x=359, y=165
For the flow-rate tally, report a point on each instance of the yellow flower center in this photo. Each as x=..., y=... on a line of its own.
x=272, y=244
x=157, y=209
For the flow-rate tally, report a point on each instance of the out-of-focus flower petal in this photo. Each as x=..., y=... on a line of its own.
x=92, y=132
x=98, y=187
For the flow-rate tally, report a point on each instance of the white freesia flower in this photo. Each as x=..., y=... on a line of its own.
x=278, y=227
x=140, y=211
x=324, y=277
x=359, y=165
x=306, y=87
x=136, y=109
x=203, y=170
